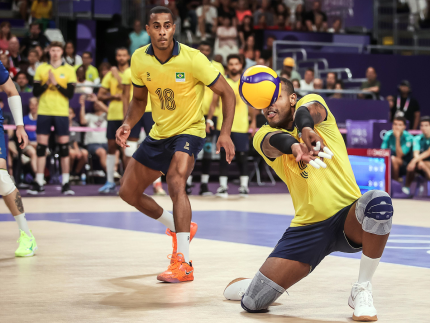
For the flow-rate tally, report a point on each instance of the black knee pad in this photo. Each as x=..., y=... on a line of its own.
x=64, y=150
x=41, y=150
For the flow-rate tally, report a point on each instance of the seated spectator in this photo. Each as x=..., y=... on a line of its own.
x=43, y=53
x=286, y=75
x=36, y=38
x=14, y=54
x=338, y=86
x=33, y=61
x=296, y=84
x=316, y=19
x=76, y=152
x=282, y=9
x=399, y=141
x=104, y=68
x=421, y=155
x=6, y=62
x=5, y=35
x=267, y=53
x=288, y=66
x=299, y=18
x=226, y=11
x=70, y=56
x=137, y=38
x=80, y=76
x=250, y=50
x=245, y=30
x=390, y=100
x=336, y=27
x=307, y=84
x=261, y=61
x=226, y=42
x=319, y=85
x=292, y=6
x=319, y=25
x=207, y=19
x=406, y=106
x=23, y=81
x=41, y=9
x=242, y=11
x=330, y=81
x=31, y=120
x=264, y=11
x=91, y=73
x=371, y=85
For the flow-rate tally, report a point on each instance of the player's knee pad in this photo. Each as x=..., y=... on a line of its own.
x=6, y=183
x=64, y=150
x=129, y=151
x=260, y=294
x=374, y=211
x=41, y=150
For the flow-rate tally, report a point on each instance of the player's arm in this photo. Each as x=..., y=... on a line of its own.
x=209, y=122
x=253, y=122
x=125, y=97
x=68, y=91
x=423, y=155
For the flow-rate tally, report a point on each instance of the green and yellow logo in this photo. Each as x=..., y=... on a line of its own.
x=180, y=77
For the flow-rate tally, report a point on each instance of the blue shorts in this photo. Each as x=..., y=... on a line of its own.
x=157, y=154
x=3, y=151
x=240, y=141
x=92, y=148
x=112, y=127
x=44, y=124
x=311, y=243
x=146, y=122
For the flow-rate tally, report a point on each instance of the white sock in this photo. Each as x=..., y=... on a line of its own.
x=190, y=180
x=183, y=239
x=223, y=181
x=40, y=178
x=244, y=181
x=110, y=166
x=367, y=268
x=65, y=178
x=205, y=178
x=22, y=224
x=158, y=180
x=167, y=219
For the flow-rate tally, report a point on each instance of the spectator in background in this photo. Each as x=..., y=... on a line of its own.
x=226, y=42
x=307, y=84
x=282, y=9
x=242, y=11
x=36, y=38
x=286, y=75
x=264, y=11
x=330, y=81
x=104, y=68
x=138, y=37
x=390, y=100
x=296, y=84
x=226, y=11
x=338, y=86
x=292, y=5
x=41, y=9
x=5, y=35
x=31, y=120
x=80, y=76
x=299, y=18
x=267, y=53
x=245, y=30
x=33, y=61
x=76, y=152
x=399, y=141
x=250, y=50
x=316, y=18
x=319, y=85
x=116, y=36
x=288, y=66
x=91, y=73
x=70, y=56
x=6, y=62
x=320, y=25
x=406, y=106
x=371, y=85
x=14, y=55
x=262, y=61
x=207, y=19
x=42, y=55
x=336, y=27
x=23, y=81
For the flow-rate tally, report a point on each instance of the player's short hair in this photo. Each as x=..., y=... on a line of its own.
x=121, y=48
x=88, y=53
x=205, y=43
x=335, y=75
x=425, y=119
x=310, y=69
x=56, y=44
x=33, y=51
x=402, y=119
x=234, y=56
x=287, y=86
x=35, y=23
x=22, y=73
x=160, y=9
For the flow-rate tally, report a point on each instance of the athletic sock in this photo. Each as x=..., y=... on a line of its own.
x=183, y=239
x=22, y=224
x=190, y=180
x=40, y=178
x=167, y=219
x=158, y=180
x=65, y=178
x=223, y=180
x=110, y=166
x=367, y=268
x=205, y=178
x=244, y=181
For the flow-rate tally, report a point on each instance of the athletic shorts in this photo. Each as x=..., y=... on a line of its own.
x=3, y=151
x=112, y=127
x=44, y=124
x=92, y=148
x=240, y=141
x=311, y=243
x=146, y=122
x=157, y=154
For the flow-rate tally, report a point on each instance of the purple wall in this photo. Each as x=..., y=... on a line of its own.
x=86, y=37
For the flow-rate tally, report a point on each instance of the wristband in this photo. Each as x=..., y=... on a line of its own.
x=211, y=123
x=304, y=118
x=15, y=106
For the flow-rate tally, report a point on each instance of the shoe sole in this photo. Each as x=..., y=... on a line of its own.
x=222, y=195
x=206, y=194
x=69, y=193
x=243, y=195
x=30, y=254
x=363, y=318
x=34, y=192
x=174, y=281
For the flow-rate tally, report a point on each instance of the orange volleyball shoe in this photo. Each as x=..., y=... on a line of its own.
x=178, y=271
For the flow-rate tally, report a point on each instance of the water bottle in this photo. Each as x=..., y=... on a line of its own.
x=84, y=179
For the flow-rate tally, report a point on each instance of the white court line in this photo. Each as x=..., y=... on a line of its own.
x=409, y=241
x=408, y=235
x=390, y=247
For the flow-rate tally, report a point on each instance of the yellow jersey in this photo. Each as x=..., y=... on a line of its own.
x=209, y=95
x=52, y=102
x=42, y=10
x=92, y=74
x=111, y=84
x=317, y=194
x=126, y=80
x=176, y=89
x=240, y=121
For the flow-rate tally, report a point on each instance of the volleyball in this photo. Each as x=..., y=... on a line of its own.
x=259, y=86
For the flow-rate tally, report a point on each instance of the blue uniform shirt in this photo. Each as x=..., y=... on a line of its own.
x=4, y=74
x=30, y=122
x=421, y=144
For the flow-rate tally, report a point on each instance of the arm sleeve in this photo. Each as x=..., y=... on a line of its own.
x=38, y=89
x=204, y=71
x=126, y=78
x=283, y=142
x=68, y=93
x=4, y=74
x=136, y=78
x=416, y=145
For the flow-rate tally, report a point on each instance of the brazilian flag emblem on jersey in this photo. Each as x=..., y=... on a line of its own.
x=180, y=77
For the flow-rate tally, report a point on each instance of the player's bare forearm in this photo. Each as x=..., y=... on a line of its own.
x=125, y=98
x=82, y=115
x=424, y=155
x=9, y=88
x=104, y=95
x=318, y=112
x=228, y=99
x=212, y=108
x=399, y=151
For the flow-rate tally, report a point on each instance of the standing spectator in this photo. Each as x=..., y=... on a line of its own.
x=36, y=38
x=70, y=56
x=288, y=66
x=226, y=42
x=406, y=106
x=338, y=86
x=14, y=55
x=399, y=141
x=54, y=83
x=138, y=37
x=104, y=68
x=242, y=11
x=336, y=27
x=116, y=36
x=91, y=73
x=371, y=85
x=307, y=84
x=207, y=19
x=23, y=81
x=31, y=120
x=5, y=35
x=80, y=76
x=226, y=11
x=264, y=10
x=245, y=30
x=421, y=158
x=41, y=9
x=6, y=62
x=330, y=81
x=316, y=17
x=33, y=61
x=76, y=152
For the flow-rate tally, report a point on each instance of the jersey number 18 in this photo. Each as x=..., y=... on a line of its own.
x=167, y=99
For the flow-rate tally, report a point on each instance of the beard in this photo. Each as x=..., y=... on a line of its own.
x=234, y=72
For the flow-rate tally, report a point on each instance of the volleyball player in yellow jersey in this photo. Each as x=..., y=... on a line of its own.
x=111, y=92
x=239, y=130
x=173, y=76
x=330, y=212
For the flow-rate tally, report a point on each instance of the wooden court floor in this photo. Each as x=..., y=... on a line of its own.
x=98, y=260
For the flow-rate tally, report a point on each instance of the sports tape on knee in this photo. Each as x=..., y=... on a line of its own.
x=129, y=151
x=374, y=211
x=6, y=183
x=260, y=294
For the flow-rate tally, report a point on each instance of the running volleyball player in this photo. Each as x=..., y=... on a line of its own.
x=11, y=195
x=330, y=212
x=173, y=76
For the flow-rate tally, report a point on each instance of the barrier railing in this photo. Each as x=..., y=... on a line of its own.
x=347, y=91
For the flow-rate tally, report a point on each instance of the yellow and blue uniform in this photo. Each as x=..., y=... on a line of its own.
x=208, y=96
x=321, y=197
x=4, y=76
x=92, y=74
x=175, y=88
x=421, y=144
